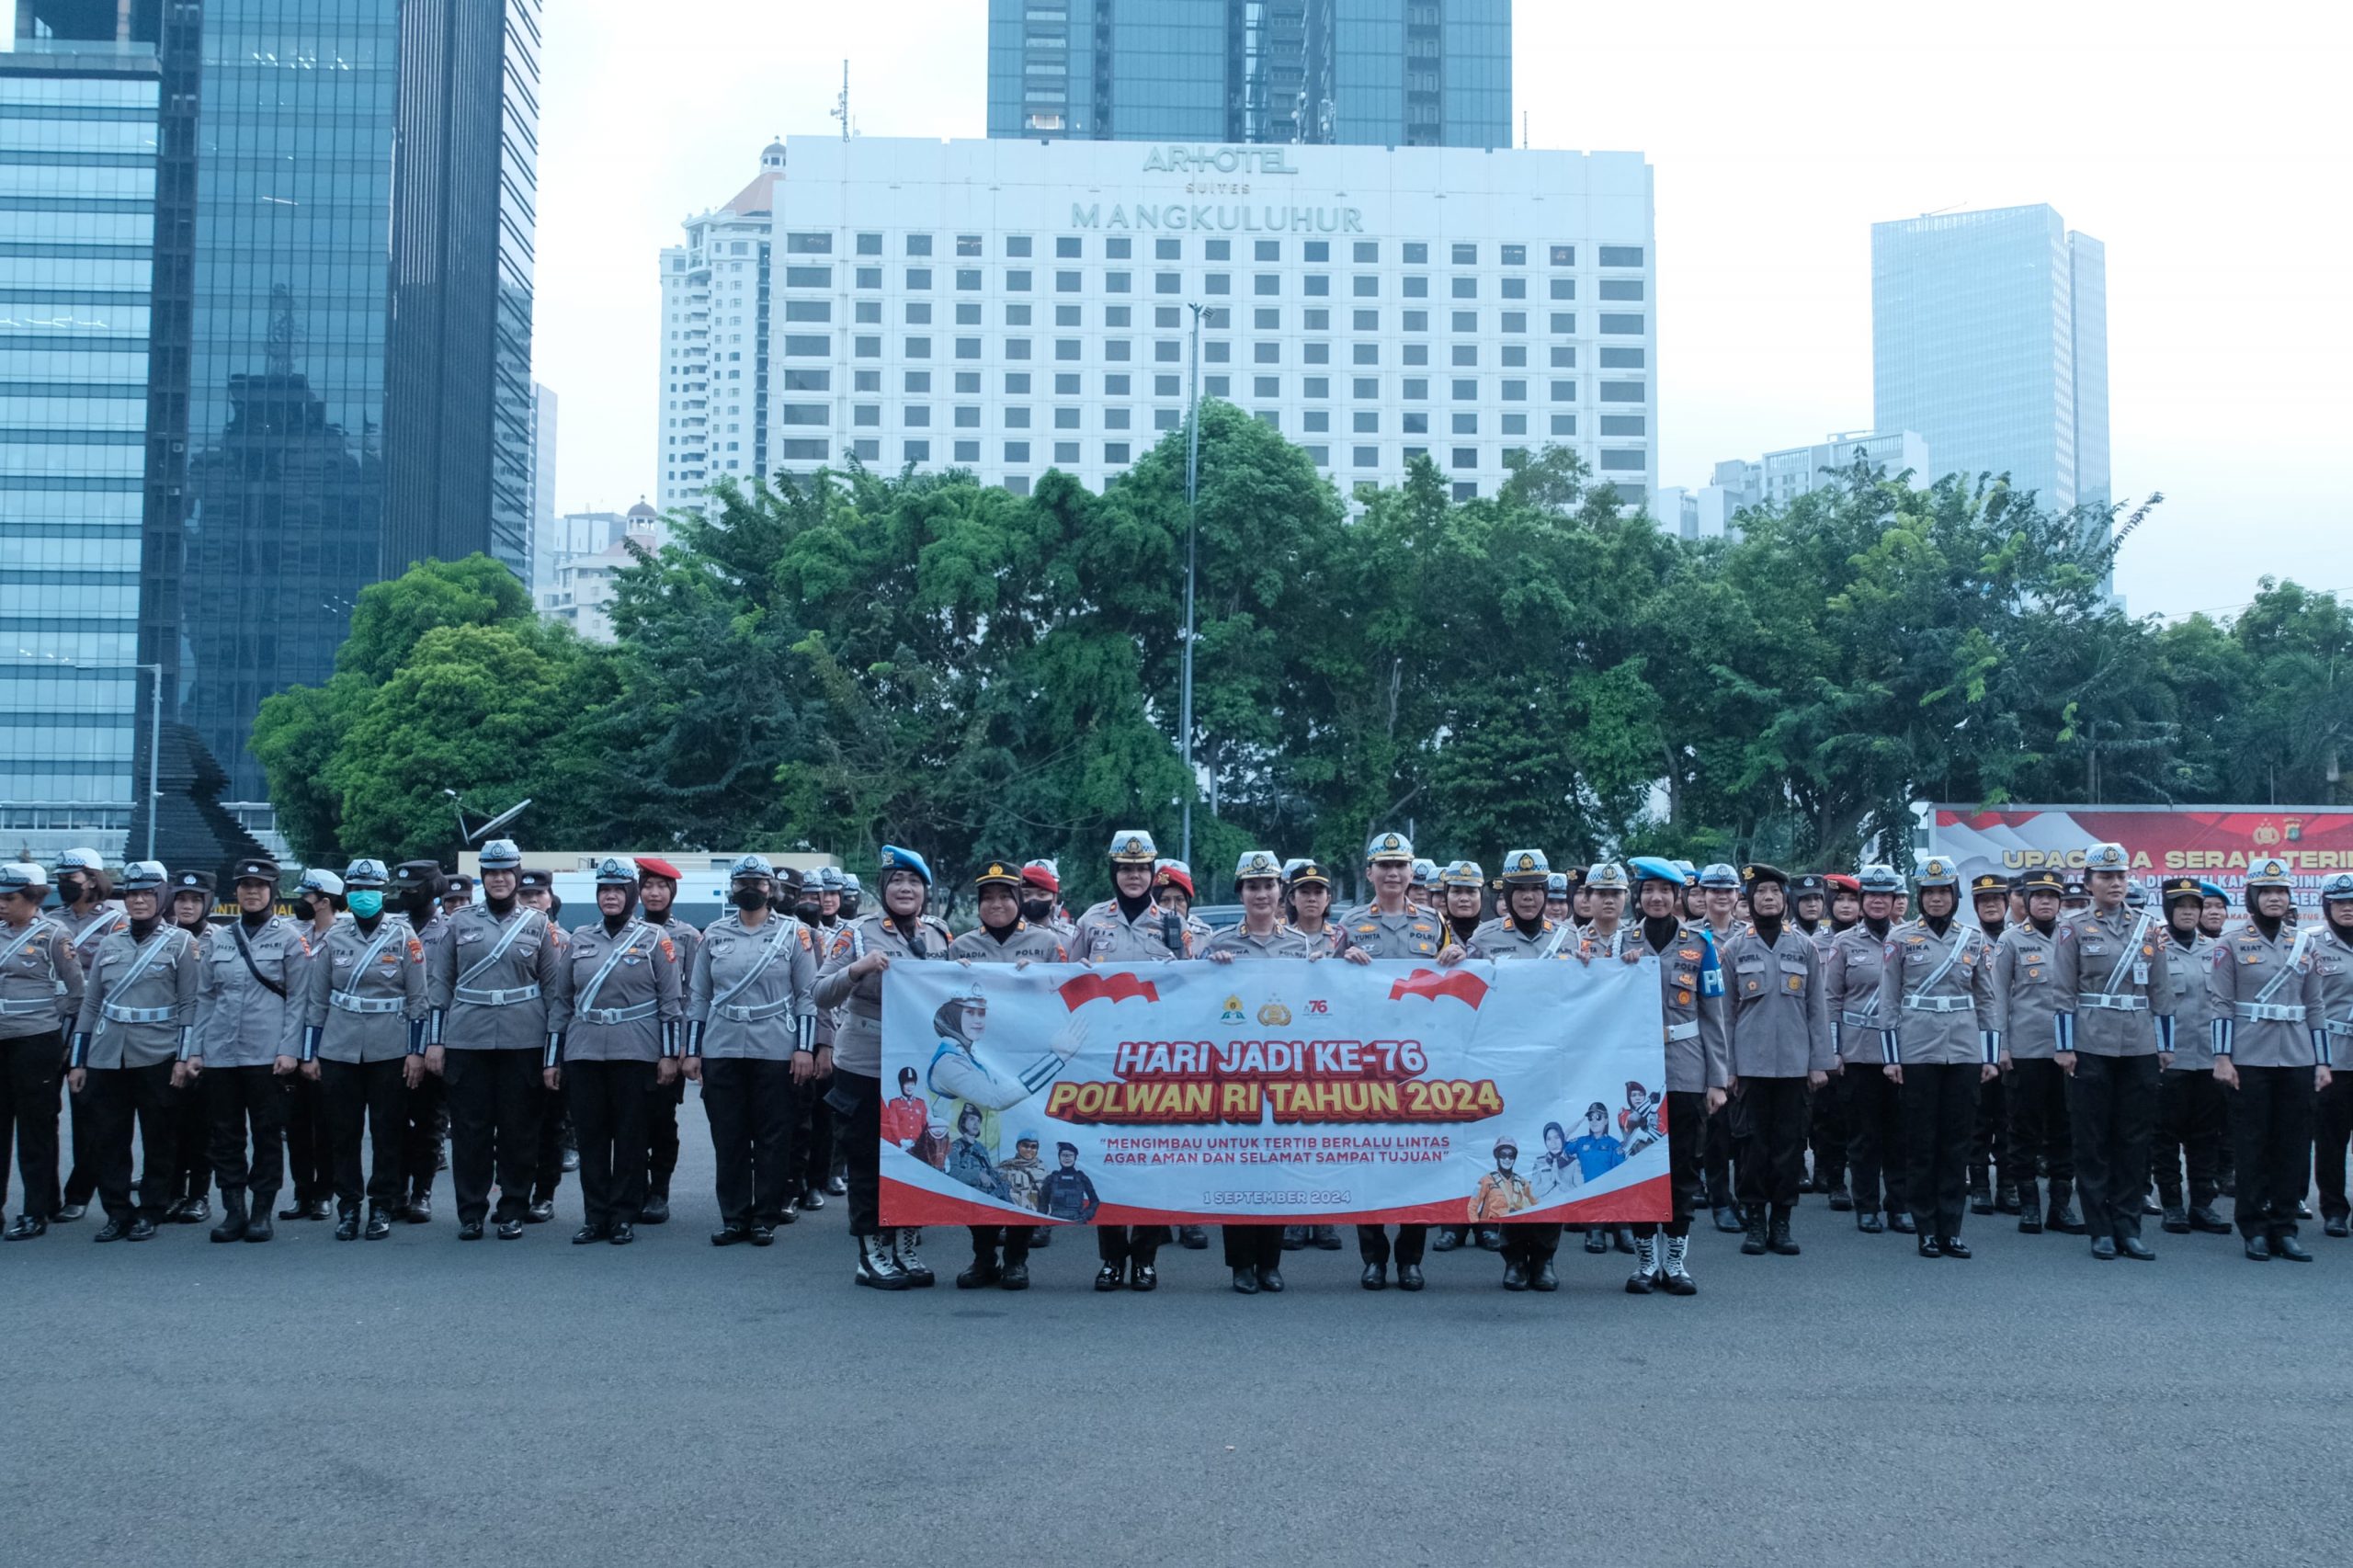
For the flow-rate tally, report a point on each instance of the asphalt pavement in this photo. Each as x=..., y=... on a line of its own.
x=420, y=1400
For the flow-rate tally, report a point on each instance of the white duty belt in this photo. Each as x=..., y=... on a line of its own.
x=2114, y=1002
x=122, y=1014
x=2271, y=1012
x=621, y=1015
x=1938, y=1003
x=28, y=1007
x=475, y=996
x=744, y=1014
x=351, y=1003
x=2343, y=1027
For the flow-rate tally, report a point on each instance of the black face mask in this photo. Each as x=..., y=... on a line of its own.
x=71, y=888
x=305, y=911
x=1037, y=911
x=849, y=905
x=806, y=912
x=414, y=902
x=748, y=895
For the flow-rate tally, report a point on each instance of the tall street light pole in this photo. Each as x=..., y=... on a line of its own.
x=154, y=728
x=1192, y=535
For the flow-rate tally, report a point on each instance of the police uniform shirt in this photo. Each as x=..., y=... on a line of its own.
x=2276, y=1031
x=2107, y=959
x=350, y=979
x=2025, y=972
x=1038, y=944
x=84, y=932
x=2193, y=1009
x=40, y=978
x=1780, y=1017
x=1503, y=939
x=1282, y=942
x=858, y=1032
x=161, y=991
x=506, y=1005
x=239, y=1021
x=1408, y=934
x=1103, y=935
x=1939, y=1013
x=1699, y=1050
x=752, y=986
x=1852, y=963
x=628, y=1017
x=2333, y=960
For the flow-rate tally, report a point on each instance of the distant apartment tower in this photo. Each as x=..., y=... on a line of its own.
x=1989, y=337
x=1780, y=477
x=715, y=392
x=1365, y=72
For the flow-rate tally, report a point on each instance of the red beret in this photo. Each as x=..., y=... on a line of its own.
x=1037, y=874
x=1169, y=876
x=648, y=866
x=1844, y=882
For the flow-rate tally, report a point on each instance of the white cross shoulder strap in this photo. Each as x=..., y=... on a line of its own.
x=585, y=1005
x=487, y=998
x=352, y=1001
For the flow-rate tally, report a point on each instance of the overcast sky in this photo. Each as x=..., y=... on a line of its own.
x=2209, y=150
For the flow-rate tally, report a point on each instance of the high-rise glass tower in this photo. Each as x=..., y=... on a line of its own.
x=1989, y=337
x=1371, y=72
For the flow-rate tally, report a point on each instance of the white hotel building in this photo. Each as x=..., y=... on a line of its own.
x=1010, y=307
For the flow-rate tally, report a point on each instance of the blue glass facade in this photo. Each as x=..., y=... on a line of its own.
x=1376, y=73
x=1989, y=337
x=78, y=216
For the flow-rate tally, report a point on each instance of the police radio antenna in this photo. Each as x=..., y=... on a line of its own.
x=841, y=104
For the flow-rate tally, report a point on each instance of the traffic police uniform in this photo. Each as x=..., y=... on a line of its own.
x=1993, y=1180
x=85, y=926
x=1001, y=1252
x=2333, y=956
x=137, y=1021
x=2193, y=1110
x=2041, y=1136
x=2116, y=1003
x=1529, y=1248
x=751, y=1010
x=618, y=1020
x=1717, y=1147
x=888, y=1259
x=1940, y=1019
x=249, y=1034
x=2269, y=1033
x=39, y=975
x=192, y=1139
x=310, y=1152
x=1109, y=933
x=558, y=1149
x=1825, y=1121
x=1853, y=963
x=489, y=976
x=1416, y=935
x=663, y=1100
x=417, y=895
x=365, y=1009
x=1780, y=1034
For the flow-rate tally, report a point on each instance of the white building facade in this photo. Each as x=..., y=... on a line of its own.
x=1780, y=477
x=1011, y=307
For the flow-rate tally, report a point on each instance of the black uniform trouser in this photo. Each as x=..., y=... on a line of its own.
x=310, y=1149
x=1828, y=1113
x=1531, y=1244
x=1014, y=1239
x=2271, y=1124
x=494, y=1102
x=81, y=1177
x=856, y=1102
x=1874, y=1137
x=2040, y=1127
x=547, y=1166
x=2113, y=1106
x=1939, y=1109
x=1372, y=1243
x=1769, y=1128
x=813, y=1137
x=192, y=1170
x=1118, y=1244
x=1253, y=1246
x=373, y=1093
x=1717, y=1145
x=2333, y=1129
x=2193, y=1122
x=423, y=1109
x=1989, y=1137
x=749, y=1103
x=113, y=1097
x=1687, y=1115
x=610, y=1102
x=29, y=1115
x=661, y=1103
x=237, y=1099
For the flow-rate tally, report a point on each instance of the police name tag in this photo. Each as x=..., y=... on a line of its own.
x=2140, y=974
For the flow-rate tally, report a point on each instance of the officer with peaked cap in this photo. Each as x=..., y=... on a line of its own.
x=417, y=893
x=248, y=1044
x=815, y=1160
x=189, y=906
x=1461, y=886
x=1779, y=1032
x=310, y=1152
x=619, y=1026
x=1000, y=1253
x=1556, y=897
x=751, y=1032
x=1852, y=966
x=2041, y=1133
x=657, y=896
x=1425, y=885
x=1941, y=1023
x=2115, y=1029
x=2272, y=1048
x=488, y=975
x=559, y=1150
x=366, y=1010
x=2333, y=958
x=1128, y=928
x=89, y=912
x=1810, y=902
x=2193, y=1112
x=38, y=974
x=1691, y=997
x=1993, y=1180
x=136, y=1024
x=899, y=931
x=1307, y=902
x=1826, y=1124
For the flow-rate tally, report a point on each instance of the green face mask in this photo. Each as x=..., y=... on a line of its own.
x=368, y=904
